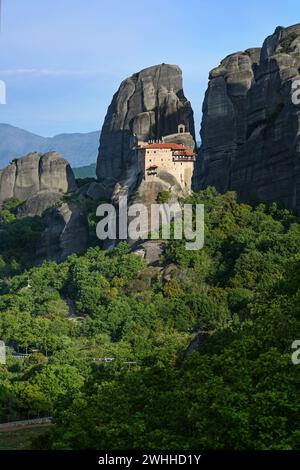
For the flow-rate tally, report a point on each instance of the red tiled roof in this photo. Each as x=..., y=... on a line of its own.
x=165, y=146
x=170, y=146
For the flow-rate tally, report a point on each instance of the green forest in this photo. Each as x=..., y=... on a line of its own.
x=102, y=341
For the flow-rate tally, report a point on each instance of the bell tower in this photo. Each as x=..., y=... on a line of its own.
x=181, y=129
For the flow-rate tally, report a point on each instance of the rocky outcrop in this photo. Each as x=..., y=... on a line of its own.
x=151, y=251
x=251, y=126
x=66, y=232
x=27, y=176
x=36, y=205
x=40, y=181
x=148, y=105
x=223, y=127
x=184, y=138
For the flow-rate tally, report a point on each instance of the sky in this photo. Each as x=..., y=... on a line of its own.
x=62, y=61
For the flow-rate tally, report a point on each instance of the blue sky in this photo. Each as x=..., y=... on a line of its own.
x=63, y=60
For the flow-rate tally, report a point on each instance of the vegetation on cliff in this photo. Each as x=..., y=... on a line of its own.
x=106, y=337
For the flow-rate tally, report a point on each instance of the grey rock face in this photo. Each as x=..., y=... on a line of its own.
x=96, y=191
x=66, y=233
x=185, y=139
x=7, y=182
x=150, y=251
x=35, y=205
x=223, y=127
x=148, y=105
x=39, y=181
x=251, y=127
x=29, y=175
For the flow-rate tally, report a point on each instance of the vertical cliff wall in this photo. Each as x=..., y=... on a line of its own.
x=251, y=126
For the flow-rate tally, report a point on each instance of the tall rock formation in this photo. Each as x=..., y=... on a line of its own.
x=148, y=105
x=35, y=173
x=40, y=181
x=251, y=124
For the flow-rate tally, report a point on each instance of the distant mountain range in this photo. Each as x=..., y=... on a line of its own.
x=78, y=149
x=88, y=171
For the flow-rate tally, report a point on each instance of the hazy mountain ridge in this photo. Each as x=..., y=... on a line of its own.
x=87, y=171
x=78, y=148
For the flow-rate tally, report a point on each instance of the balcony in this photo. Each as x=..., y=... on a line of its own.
x=184, y=158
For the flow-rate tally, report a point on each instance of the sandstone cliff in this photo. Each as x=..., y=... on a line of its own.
x=251, y=127
x=148, y=105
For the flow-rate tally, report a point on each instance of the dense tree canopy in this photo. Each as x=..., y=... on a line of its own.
x=105, y=338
